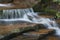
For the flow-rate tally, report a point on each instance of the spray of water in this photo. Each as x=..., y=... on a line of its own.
x=28, y=15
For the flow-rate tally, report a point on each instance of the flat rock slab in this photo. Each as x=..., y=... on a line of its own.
x=38, y=33
x=34, y=35
x=18, y=4
x=8, y=30
x=5, y=29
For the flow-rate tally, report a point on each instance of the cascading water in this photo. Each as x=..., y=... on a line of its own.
x=6, y=5
x=28, y=15
x=15, y=15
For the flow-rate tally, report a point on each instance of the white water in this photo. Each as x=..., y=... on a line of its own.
x=28, y=15
x=6, y=5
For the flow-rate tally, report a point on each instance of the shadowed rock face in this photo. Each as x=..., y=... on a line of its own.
x=18, y=3
x=5, y=1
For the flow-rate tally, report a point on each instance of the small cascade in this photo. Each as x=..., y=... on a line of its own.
x=28, y=15
x=15, y=13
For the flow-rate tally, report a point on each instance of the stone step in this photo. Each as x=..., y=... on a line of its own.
x=34, y=35
x=18, y=4
x=38, y=34
x=14, y=33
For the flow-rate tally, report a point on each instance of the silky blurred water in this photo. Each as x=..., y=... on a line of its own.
x=27, y=15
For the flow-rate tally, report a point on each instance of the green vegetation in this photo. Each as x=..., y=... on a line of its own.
x=58, y=15
x=56, y=0
x=51, y=11
x=44, y=6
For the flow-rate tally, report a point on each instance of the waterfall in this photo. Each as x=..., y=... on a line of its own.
x=16, y=15
x=28, y=15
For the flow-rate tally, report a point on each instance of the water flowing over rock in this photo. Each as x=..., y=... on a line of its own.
x=22, y=15
x=27, y=15
x=17, y=4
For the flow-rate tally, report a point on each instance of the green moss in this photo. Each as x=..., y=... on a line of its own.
x=51, y=11
x=58, y=14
